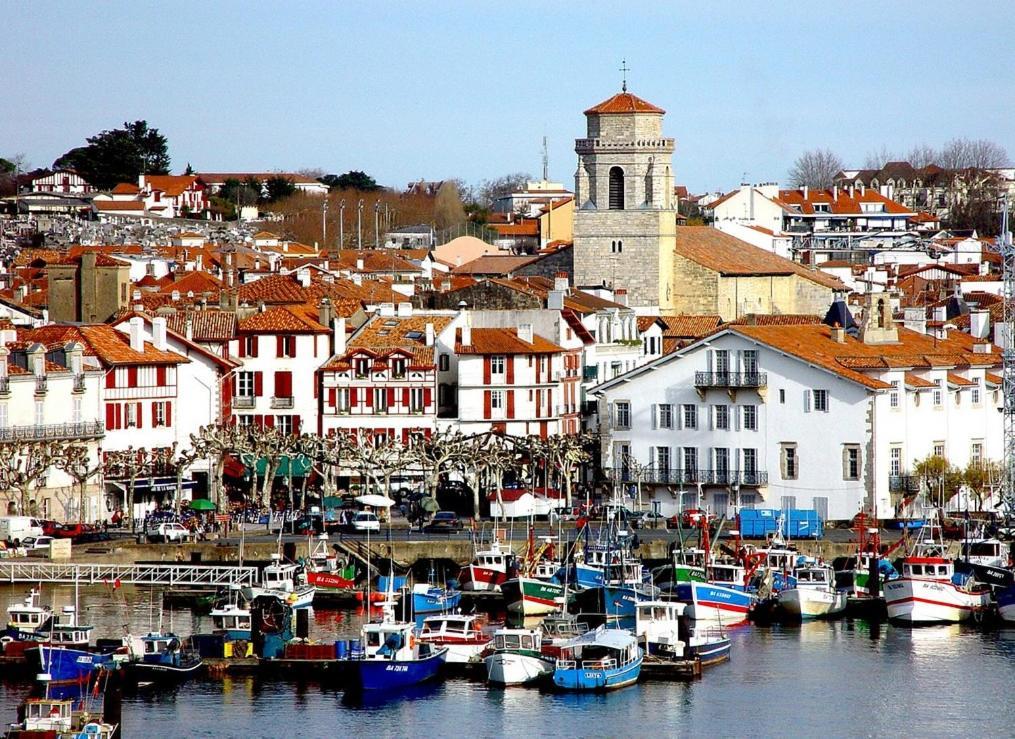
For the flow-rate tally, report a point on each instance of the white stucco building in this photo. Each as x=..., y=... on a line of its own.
x=801, y=416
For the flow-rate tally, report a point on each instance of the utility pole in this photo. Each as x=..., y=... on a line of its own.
x=377, y=215
x=324, y=224
x=359, y=224
x=341, y=224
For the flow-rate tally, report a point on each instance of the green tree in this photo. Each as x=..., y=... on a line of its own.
x=941, y=478
x=351, y=180
x=279, y=187
x=982, y=478
x=119, y=155
x=243, y=192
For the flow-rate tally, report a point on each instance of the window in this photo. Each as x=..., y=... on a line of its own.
x=398, y=367
x=40, y=413
x=249, y=346
x=722, y=465
x=362, y=366
x=750, y=417
x=976, y=453
x=821, y=401
x=939, y=449
x=851, y=462
x=416, y=400
x=245, y=384
x=158, y=414
x=623, y=415
x=895, y=461
x=131, y=414
x=938, y=395
x=722, y=362
x=790, y=461
x=245, y=422
x=690, y=463
x=750, y=360
x=286, y=346
x=690, y=416
x=722, y=417
x=380, y=400
x=975, y=392
x=284, y=424
x=750, y=464
x=443, y=363
x=782, y=395
x=3, y=415
x=497, y=400
x=665, y=416
x=342, y=399
x=617, y=247
x=893, y=396
x=663, y=459
x=616, y=188
x=497, y=365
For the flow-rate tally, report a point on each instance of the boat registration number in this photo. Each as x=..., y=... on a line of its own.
x=398, y=668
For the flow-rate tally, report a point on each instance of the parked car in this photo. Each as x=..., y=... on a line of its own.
x=37, y=542
x=444, y=522
x=365, y=521
x=71, y=530
x=690, y=518
x=169, y=532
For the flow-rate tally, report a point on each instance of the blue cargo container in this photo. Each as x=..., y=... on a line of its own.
x=797, y=523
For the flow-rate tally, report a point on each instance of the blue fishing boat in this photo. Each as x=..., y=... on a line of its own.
x=68, y=665
x=163, y=658
x=391, y=658
x=433, y=599
x=708, y=601
x=603, y=659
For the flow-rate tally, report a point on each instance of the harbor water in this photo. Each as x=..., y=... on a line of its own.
x=841, y=678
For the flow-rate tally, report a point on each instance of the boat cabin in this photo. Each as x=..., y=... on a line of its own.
x=512, y=640
x=45, y=714
x=928, y=568
x=454, y=626
x=231, y=618
x=602, y=649
x=813, y=577
x=388, y=640
x=729, y=574
x=495, y=559
x=691, y=556
x=156, y=648
x=545, y=569
x=656, y=612
x=279, y=576
x=563, y=626
x=28, y=616
x=988, y=552
x=784, y=560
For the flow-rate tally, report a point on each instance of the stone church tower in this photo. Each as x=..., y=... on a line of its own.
x=626, y=209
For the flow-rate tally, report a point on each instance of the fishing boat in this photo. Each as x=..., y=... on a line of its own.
x=59, y=718
x=462, y=634
x=163, y=658
x=536, y=590
x=281, y=581
x=232, y=621
x=665, y=632
x=326, y=572
x=515, y=657
x=70, y=665
x=602, y=659
x=930, y=591
x=392, y=658
x=27, y=618
x=686, y=564
x=488, y=570
x=427, y=598
x=815, y=594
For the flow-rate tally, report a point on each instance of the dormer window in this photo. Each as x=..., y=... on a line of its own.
x=398, y=367
x=362, y=366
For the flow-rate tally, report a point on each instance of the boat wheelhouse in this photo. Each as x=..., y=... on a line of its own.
x=461, y=633
x=515, y=657
x=488, y=571
x=603, y=659
x=28, y=617
x=814, y=596
x=233, y=620
x=281, y=580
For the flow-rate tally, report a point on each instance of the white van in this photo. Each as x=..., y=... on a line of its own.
x=19, y=528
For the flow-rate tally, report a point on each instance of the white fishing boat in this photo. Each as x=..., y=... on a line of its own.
x=461, y=633
x=283, y=582
x=516, y=658
x=665, y=632
x=930, y=591
x=814, y=596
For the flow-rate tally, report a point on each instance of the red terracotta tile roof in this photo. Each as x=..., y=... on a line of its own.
x=110, y=346
x=686, y=326
x=527, y=227
x=279, y=320
x=843, y=204
x=206, y=325
x=729, y=256
x=126, y=188
x=780, y=319
x=374, y=260
x=494, y=264
x=128, y=205
x=993, y=379
x=956, y=379
x=384, y=335
x=624, y=102
x=101, y=260
x=646, y=322
x=172, y=185
x=196, y=282
x=503, y=341
x=915, y=381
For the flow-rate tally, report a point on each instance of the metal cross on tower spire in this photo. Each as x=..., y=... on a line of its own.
x=624, y=69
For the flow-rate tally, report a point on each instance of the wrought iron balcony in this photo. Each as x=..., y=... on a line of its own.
x=903, y=484
x=731, y=379
x=84, y=430
x=655, y=476
x=244, y=401
x=281, y=402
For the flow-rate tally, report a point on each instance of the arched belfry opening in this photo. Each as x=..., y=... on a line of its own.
x=616, y=188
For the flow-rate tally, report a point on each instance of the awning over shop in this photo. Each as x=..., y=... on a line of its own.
x=300, y=466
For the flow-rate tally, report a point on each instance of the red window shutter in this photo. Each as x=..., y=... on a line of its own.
x=169, y=413
x=140, y=418
x=269, y=422
x=283, y=384
x=539, y=400
x=279, y=346
x=510, y=361
x=119, y=416
x=132, y=377
x=110, y=416
x=391, y=397
x=232, y=382
x=353, y=396
x=549, y=402
x=259, y=420
x=111, y=378
x=405, y=437
x=297, y=424
x=427, y=397
x=405, y=397
x=333, y=397
x=486, y=370
x=486, y=404
x=510, y=403
x=160, y=376
x=370, y=398
x=241, y=347
x=258, y=383
x=155, y=417
x=254, y=345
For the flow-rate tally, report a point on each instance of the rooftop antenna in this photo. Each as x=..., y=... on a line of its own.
x=546, y=162
x=624, y=69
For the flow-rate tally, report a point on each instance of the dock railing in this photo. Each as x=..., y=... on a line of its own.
x=169, y=575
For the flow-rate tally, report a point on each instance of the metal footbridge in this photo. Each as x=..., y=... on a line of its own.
x=167, y=575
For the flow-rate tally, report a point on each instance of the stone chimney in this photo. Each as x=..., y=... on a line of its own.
x=979, y=323
x=560, y=282
x=620, y=296
x=137, y=334
x=188, y=327
x=807, y=191
x=37, y=360
x=466, y=335
x=357, y=279
x=338, y=332
x=838, y=334
x=359, y=264
x=303, y=277
x=159, y=333
x=429, y=334
x=525, y=332
x=915, y=319
x=325, y=313
x=878, y=325
x=940, y=313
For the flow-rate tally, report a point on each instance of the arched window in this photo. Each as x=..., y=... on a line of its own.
x=616, y=188
x=881, y=313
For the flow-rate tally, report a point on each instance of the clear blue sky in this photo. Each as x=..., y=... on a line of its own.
x=433, y=89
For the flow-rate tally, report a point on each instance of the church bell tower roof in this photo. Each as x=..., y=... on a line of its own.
x=624, y=102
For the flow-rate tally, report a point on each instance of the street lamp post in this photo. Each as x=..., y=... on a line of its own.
x=341, y=224
x=359, y=224
x=377, y=235
x=324, y=224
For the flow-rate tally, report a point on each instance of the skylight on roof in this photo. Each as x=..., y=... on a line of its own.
x=390, y=323
x=414, y=335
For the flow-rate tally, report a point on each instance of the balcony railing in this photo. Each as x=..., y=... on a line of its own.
x=244, y=401
x=655, y=476
x=85, y=430
x=280, y=402
x=903, y=484
x=5, y=386
x=730, y=379
x=41, y=385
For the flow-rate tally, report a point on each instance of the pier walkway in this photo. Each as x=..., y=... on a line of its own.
x=169, y=575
